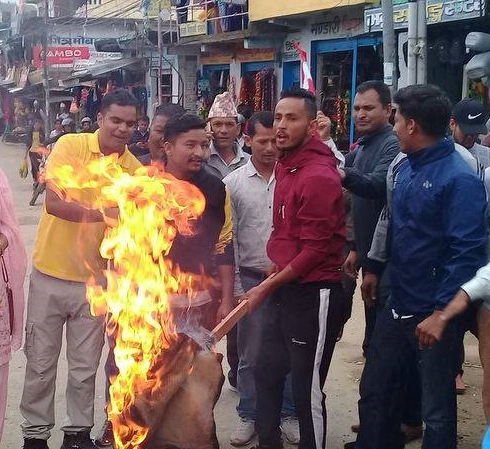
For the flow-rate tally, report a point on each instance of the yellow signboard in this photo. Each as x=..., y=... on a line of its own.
x=155, y=4
x=263, y=10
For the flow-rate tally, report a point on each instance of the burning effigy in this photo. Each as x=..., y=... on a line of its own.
x=169, y=379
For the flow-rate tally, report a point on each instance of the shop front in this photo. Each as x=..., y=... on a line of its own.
x=250, y=76
x=258, y=83
x=339, y=58
x=340, y=66
x=449, y=22
x=215, y=80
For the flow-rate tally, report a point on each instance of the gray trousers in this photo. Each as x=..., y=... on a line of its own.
x=52, y=303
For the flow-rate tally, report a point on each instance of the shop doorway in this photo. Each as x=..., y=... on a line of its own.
x=340, y=66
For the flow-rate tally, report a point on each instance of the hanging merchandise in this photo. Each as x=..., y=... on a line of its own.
x=247, y=90
x=258, y=93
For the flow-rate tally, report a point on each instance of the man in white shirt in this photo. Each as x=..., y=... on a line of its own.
x=226, y=153
x=468, y=121
x=251, y=189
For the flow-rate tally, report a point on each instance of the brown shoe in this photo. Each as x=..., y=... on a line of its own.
x=412, y=433
x=355, y=428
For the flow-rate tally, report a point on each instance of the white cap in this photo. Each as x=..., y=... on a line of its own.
x=66, y=122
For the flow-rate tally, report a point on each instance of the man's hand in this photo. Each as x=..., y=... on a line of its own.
x=324, y=126
x=256, y=297
x=369, y=288
x=142, y=145
x=351, y=265
x=430, y=331
x=224, y=310
x=341, y=173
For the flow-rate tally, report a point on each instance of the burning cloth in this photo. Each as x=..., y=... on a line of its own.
x=168, y=382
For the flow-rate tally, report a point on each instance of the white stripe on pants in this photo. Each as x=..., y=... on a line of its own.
x=316, y=390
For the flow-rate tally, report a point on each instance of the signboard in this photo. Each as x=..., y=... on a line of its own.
x=211, y=60
x=438, y=11
x=192, y=29
x=256, y=55
x=59, y=55
x=96, y=57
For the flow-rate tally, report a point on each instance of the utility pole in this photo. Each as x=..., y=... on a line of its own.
x=389, y=46
x=421, y=42
x=45, y=66
x=412, y=42
x=160, y=53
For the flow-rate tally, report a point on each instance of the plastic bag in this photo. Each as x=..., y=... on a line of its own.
x=24, y=169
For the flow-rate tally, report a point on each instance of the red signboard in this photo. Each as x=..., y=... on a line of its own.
x=60, y=55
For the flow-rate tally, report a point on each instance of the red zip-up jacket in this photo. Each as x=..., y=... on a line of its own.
x=308, y=216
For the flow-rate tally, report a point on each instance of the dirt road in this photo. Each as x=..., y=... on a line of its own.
x=342, y=384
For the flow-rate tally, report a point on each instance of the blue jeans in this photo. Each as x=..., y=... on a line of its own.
x=249, y=330
x=384, y=382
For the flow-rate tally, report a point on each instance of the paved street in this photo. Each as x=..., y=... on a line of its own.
x=342, y=385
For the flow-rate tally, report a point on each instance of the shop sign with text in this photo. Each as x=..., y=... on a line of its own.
x=60, y=55
x=437, y=12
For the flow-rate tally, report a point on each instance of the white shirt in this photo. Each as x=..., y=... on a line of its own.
x=220, y=168
x=252, y=198
x=481, y=153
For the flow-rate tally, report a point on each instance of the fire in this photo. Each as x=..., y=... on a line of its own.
x=153, y=207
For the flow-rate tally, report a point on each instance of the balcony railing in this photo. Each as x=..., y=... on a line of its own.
x=205, y=17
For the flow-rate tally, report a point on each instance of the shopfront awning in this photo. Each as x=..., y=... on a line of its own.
x=36, y=92
x=99, y=70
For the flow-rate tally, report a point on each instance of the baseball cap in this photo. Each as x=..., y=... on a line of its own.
x=86, y=120
x=66, y=122
x=471, y=116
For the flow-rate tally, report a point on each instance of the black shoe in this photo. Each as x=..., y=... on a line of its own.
x=35, y=443
x=80, y=440
x=106, y=437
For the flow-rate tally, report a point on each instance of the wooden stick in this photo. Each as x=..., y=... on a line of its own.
x=229, y=322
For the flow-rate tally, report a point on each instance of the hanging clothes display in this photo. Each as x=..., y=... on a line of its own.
x=259, y=90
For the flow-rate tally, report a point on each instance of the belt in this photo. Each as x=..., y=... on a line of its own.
x=253, y=273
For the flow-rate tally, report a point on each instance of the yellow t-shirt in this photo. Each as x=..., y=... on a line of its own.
x=64, y=249
x=36, y=142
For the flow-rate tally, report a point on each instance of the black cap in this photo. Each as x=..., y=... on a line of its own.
x=471, y=117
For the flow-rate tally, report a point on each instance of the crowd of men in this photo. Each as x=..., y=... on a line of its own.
x=289, y=228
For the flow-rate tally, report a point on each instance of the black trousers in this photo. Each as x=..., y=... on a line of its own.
x=300, y=339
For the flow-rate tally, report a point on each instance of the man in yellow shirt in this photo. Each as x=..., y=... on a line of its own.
x=66, y=255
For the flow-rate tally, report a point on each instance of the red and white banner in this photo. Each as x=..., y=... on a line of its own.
x=306, y=78
x=60, y=55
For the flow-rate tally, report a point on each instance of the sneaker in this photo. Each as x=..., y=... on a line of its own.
x=290, y=429
x=80, y=440
x=244, y=433
x=35, y=443
x=106, y=437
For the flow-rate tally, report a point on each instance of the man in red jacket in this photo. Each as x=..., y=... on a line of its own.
x=306, y=247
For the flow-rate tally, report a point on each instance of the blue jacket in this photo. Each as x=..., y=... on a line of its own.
x=439, y=230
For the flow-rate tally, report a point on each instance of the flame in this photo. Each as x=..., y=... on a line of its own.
x=153, y=207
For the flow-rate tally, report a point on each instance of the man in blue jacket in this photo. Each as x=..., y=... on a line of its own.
x=438, y=242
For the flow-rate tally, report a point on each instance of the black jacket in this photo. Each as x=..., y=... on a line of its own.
x=366, y=169
x=211, y=243
x=137, y=137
